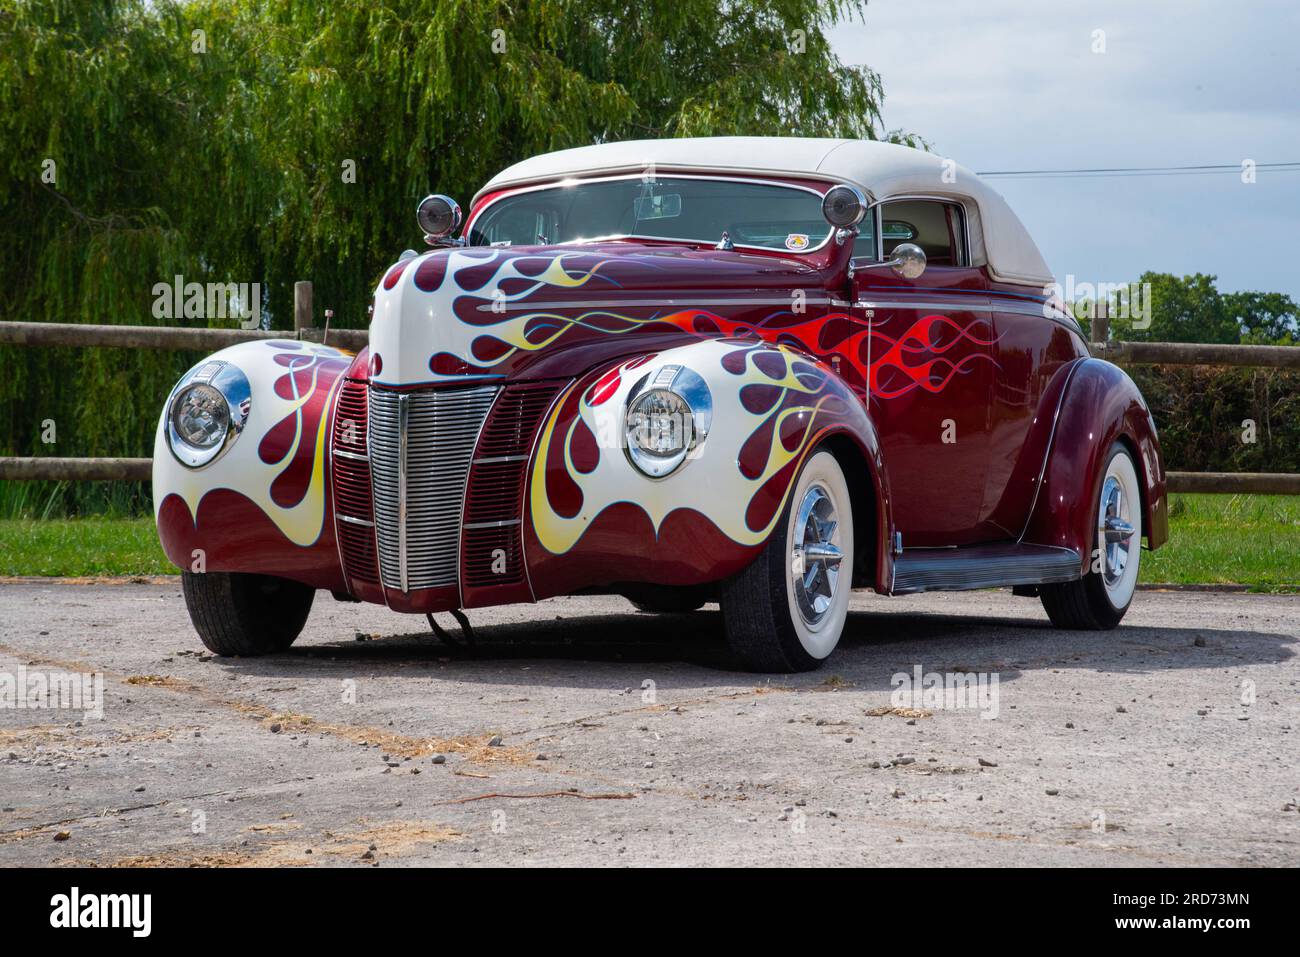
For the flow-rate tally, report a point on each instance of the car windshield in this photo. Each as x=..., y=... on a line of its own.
x=675, y=208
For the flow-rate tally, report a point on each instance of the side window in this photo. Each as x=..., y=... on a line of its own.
x=938, y=228
x=864, y=247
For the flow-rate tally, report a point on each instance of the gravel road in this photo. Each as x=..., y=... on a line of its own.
x=582, y=732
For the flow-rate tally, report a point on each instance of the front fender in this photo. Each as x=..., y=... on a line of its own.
x=1101, y=405
x=593, y=519
x=261, y=506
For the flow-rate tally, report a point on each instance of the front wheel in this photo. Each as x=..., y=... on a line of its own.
x=786, y=611
x=247, y=615
x=1099, y=600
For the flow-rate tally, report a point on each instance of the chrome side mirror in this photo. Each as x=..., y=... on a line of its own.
x=908, y=261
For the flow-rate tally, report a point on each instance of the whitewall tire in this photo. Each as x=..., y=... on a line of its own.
x=787, y=610
x=1099, y=600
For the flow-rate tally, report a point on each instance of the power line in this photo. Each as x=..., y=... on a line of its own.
x=1137, y=171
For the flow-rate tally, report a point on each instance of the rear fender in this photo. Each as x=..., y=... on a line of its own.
x=1101, y=405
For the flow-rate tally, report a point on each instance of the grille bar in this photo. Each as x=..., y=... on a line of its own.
x=421, y=445
x=494, y=505
x=350, y=468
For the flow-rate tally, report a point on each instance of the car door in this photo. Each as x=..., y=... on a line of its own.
x=1035, y=345
x=931, y=370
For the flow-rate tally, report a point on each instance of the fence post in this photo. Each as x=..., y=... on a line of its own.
x=1101, y=321
x=302, y=305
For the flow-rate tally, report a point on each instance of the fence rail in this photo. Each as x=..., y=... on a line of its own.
x=51, y=468
x=171, y=337
x=164, y=337
x=1197, y=354
x=60, y=469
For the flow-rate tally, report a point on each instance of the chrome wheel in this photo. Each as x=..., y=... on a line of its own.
x=1119, y=531
x=1114, y=531
x=815, y=555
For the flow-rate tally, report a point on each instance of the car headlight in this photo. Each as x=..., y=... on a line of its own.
x=668, y=416
x=200, y=416
x=206, y=412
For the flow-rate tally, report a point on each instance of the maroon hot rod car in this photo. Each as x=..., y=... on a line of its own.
x=760, y=372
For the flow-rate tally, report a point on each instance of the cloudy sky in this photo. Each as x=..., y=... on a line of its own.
x=1015, y=85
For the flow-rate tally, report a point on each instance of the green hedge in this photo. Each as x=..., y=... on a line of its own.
x=1201, y=415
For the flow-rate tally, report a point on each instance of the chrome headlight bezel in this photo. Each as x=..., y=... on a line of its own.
x=228, y=382
x=683, y=386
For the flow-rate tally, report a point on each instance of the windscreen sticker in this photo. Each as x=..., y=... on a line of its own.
x=796, y=241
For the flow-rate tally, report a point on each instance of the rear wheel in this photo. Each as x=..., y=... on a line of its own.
x=247, y=615
x=786, y=611
x=1099, y=600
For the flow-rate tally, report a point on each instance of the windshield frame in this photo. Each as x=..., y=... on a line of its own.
x=567, y=181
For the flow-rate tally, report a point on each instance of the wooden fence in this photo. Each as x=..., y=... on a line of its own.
x=162, y=337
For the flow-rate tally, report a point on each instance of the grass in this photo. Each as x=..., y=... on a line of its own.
x=1252, y=540
x=1246, y=539
x=75, y=547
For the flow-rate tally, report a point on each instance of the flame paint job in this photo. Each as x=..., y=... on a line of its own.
x=769, y=404
x=267, y=496
x=594, y=520
x=794, y=351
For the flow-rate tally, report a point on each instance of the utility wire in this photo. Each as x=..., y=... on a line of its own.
x=1137, y=171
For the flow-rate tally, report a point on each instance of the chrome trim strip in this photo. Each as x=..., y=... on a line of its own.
x=355, y=521
x=662, y=301
x=504, y=524
x=1047, y=452
x=403, y=445
x=904, y=304
x=500, y=458
x=350, y=455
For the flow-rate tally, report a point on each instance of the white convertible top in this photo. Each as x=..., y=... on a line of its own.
x=881, y=170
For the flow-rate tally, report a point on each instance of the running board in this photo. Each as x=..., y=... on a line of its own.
x=983, y=566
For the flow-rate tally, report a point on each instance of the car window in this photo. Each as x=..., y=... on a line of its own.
x=864, y=247
x=765, y=215
x=937, y=227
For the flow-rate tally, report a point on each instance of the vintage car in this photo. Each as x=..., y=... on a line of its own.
x=756, y=371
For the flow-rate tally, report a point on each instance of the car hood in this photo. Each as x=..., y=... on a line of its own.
x=555, y=311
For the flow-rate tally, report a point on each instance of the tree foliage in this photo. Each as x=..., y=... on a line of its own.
x=142, y=139
x=1219, y=419
x=1191, y=309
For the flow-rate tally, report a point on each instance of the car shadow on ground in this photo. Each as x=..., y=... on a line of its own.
x=876, y=645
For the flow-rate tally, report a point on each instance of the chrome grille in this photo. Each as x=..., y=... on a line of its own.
x=421, y=444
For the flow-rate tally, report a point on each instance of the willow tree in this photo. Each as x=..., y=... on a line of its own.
x=273, y=140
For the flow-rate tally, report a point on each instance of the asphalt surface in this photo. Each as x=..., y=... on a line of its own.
x=1135, y=747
